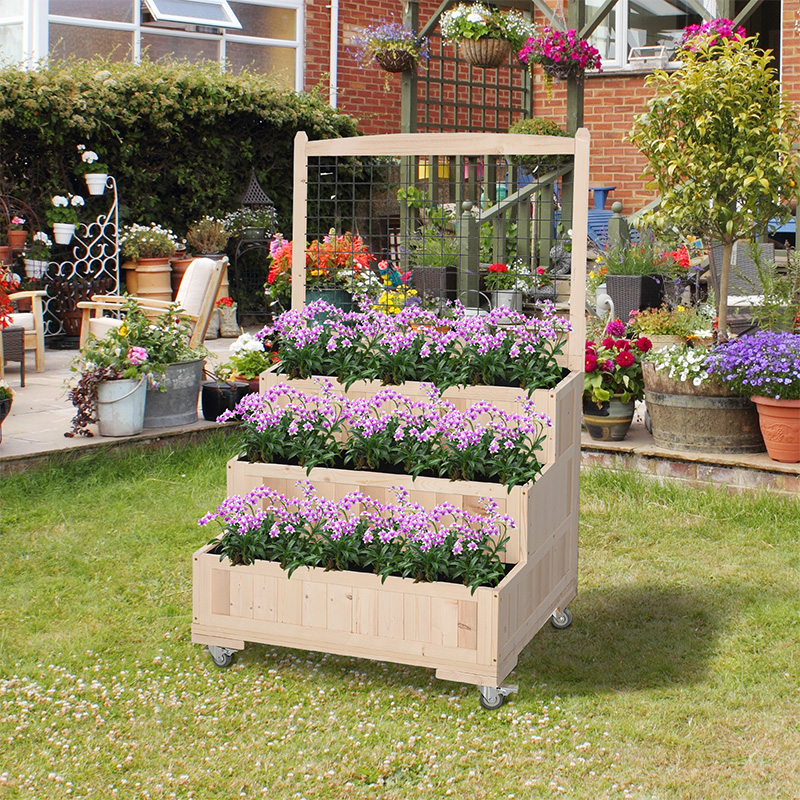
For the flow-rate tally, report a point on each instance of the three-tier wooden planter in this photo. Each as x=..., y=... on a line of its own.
x=468, y=637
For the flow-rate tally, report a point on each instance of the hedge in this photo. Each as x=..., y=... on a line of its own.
x=179, y=138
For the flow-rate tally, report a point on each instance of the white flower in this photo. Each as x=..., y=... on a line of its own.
x=89, y=157
x=473, y=16
x=59, y=200
x=81, y=148
x=77, y=200
x=41, y=236
x=246, y=342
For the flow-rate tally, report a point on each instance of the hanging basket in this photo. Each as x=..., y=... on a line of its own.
x=561, y=71
x=485, y=52
x=394, y=60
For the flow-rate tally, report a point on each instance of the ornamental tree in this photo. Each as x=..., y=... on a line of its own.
x=718, y=135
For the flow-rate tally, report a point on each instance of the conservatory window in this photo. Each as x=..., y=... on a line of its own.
x=210, y=13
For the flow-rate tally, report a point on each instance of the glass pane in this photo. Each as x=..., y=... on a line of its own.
x=11, y=43
x=114, y=10
x=278, y=62
x=658, y=22
x=75, y=40
x=266, y=21
x=10, y=8
x=212, y=13
x=605, y=36
x=178, y=47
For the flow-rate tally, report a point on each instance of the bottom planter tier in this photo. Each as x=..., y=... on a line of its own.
x=469, y=638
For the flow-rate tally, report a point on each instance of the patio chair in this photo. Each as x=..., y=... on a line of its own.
x=196, y=296
x=32, y=321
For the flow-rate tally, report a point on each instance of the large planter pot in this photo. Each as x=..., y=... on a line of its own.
x=96, y=182
x=706, y=418
x=63, y=232
x=484, y=52
x=152, y=278
x=634, y=293
x=5, y=410
x=470, y=638
x=120, y=407
x=661, y=341
x=507, y=298
x=177, y=403
x=780, y=426
x=608, y=422
x=5, y=254
x=441, y=282
x=218, y=397
x=178, y=267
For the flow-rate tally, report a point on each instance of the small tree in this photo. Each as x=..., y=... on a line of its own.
x=718, y=135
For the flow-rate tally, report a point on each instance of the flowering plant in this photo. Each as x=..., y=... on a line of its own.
x=225, y=302
x=90, y=162
x=374, y=41
x=684, y=362
x=664, y=321
x=636, y=259
x=138, y=348
x=713, y=32
x=765, y=363
x=8, y=283
x=64, y=209
x=360, y=533
x=238, y=221
x=389, y=432
x=148, y=241
x=5, y=391
x=477, y=20
x=39, y=248
x=208, y=235
x=614, y=366
x=17, y=224
x=251, y=356
x=561, y=53
x=502, y=348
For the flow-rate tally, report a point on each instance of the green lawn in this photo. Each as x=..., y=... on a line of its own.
x=679, y=677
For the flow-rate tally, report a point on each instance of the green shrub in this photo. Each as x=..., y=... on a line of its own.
x=179, y=138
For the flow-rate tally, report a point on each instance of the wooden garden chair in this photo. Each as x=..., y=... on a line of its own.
x=32, y=321
x=196, y=297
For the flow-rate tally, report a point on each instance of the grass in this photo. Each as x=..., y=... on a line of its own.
x=678, y=678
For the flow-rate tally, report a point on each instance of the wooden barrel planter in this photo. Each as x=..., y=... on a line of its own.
x=700, y=419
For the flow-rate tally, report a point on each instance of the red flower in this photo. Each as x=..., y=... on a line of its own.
x=643, y=344
x=608, y=343
x=615, y=328
x=591, y=362
x=625, y=358
x=498, y=268
x=622, y=344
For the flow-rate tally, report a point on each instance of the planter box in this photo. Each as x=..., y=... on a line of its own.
x=562, y=404
x=470, y=638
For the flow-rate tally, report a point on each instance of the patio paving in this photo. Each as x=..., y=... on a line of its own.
x=41, y=414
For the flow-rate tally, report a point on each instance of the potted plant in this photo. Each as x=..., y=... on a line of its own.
x=433, y=256
x=6, y=400
x=508, y=284
x=612, y=382
x=228, y=325
x=16, y=233
x=208, y=236
x=37, y=255
x=484, y=34
x=537, y=126
x=251, y=223
x=392, y=46
x=665, y=326
x=562, y=54
x=690, y=409
x=63, y=216
x=704, y=173
x=765, y=366
x=147, y=250
x=94, y=171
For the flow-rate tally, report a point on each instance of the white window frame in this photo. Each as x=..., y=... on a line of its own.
x=231, y=20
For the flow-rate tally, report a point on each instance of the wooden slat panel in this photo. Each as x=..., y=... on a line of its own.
x=241, y=594
x=417, y=618
x=365, y=611
x=315, y=604
x=265, y=598
x=467, y=625
x=340, y=608
x=220, y=591
x=290, y=601
x=390, y=614
x=444, y=622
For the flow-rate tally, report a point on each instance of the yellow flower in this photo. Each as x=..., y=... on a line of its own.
x=123, y=330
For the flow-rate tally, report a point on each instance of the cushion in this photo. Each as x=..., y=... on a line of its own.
x=24, y=318
x=194, y=285
x=100, y=326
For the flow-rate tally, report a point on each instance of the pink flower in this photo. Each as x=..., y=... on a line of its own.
x=137, y=355
x=625, y=358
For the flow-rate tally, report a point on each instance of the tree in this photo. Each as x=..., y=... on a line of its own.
x=718, y=134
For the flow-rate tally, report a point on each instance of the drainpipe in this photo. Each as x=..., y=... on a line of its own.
x=334, y=66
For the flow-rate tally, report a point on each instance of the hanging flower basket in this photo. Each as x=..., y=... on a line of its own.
x=561, y=71
x=394, y=60
x=485, y=52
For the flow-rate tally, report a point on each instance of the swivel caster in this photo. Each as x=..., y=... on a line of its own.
x=492, y=697
x=221, y=656
x=561, y=619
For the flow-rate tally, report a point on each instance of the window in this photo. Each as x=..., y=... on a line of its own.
x=640, y=23
x=212, y=13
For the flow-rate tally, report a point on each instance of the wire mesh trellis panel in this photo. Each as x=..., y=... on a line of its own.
x=431, y=223
x=452, y=95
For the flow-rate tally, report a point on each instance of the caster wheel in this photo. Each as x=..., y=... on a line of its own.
x=220, y=656
x=491, y=705
x=561, y=619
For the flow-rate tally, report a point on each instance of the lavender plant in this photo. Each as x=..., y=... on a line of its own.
x=389, y=432
x=764, y=363
x=359, y=533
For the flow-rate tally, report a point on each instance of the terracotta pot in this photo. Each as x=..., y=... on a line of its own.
x=153, y=278
x=5, y=254
x=179, y=267
x=780, y=427
x=17, y=239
